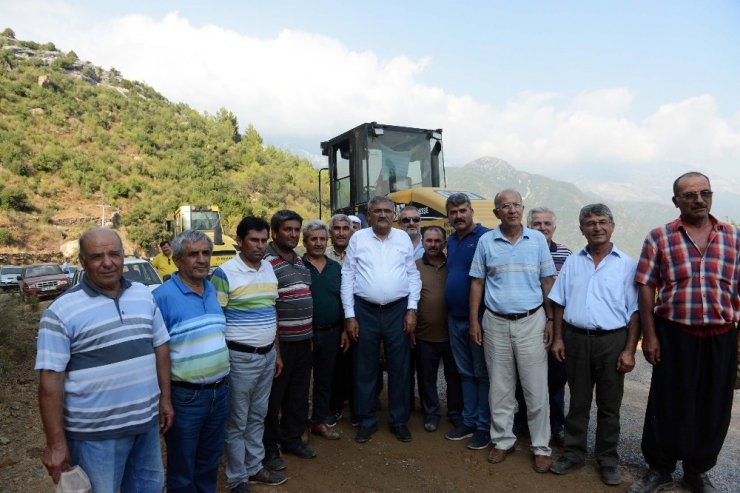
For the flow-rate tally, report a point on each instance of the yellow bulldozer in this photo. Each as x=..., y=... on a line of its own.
x=207, y=219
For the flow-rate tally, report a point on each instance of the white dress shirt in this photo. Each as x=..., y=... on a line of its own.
x=379, y=271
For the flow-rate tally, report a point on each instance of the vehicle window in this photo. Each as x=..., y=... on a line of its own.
x=141, y=272
x=10, y=270
x=43, y=270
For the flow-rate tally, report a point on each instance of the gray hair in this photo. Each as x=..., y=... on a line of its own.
x=313, y=225
x=541, y=210
x=409, y=208
x=95, y=230
x=338, y=218
x=457, y=199
x=189, y=237
x=498, y=195
x=594, y=210
x=378, y=199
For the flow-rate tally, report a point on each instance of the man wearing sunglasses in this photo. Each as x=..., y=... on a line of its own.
x=409, y=220
x=689, y=336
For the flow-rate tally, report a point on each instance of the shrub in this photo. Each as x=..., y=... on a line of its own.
x=6, y=237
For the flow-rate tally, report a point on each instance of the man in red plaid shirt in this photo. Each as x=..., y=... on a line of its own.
x=690, y=337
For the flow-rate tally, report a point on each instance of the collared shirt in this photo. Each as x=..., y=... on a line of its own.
x=165, y=265
x=247, y=297
x=431, y=325
x=602, y=297
x=105, y=346
x=418, y=251
x=559, y=253
x=512, y=271
x=196, y=324
x=336, y=256
x=379, y=271
x=459, y=257
x=325, y=288
x=693, y=289
x=294, y=304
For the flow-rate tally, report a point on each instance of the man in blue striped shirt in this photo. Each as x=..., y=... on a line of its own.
x=200, y=364
x=104, y=387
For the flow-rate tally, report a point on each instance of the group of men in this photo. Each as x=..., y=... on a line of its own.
x=231, y=360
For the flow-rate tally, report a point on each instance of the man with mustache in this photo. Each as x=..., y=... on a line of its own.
x=690, y=337
x=409, y=220
x=469, y=357
x=340, y=230
x=515, y=266
x=380, y=294
x=432, y=336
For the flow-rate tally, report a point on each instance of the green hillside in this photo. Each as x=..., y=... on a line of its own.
x=74, y=137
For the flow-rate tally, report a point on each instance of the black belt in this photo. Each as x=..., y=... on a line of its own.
x=384, y=306
x=516, y=316
x=198, y=386
x=246, y=348
x=592, y=332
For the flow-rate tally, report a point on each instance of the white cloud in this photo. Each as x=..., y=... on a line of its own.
x=312, y=87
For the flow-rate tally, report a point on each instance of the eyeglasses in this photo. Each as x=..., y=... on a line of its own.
x=382, y=211
x=510, y=205
x=407, y=220
x=689, y=196
x=592, y=224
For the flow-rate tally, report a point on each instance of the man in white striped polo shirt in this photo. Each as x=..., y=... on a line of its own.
x=104, y=388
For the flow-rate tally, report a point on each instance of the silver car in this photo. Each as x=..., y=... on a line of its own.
x=9, y=276
x=135, y=270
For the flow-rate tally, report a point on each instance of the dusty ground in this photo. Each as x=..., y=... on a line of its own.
x=428, y=464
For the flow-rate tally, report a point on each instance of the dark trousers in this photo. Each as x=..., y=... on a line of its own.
x=342, y=383
x=690, y=401
x=428, y=356
x=386, y=324
x=556, y=379
x=287, y=412
x=325, y=348
x=592, y=362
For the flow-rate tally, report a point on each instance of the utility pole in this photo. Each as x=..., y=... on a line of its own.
x=102, y=218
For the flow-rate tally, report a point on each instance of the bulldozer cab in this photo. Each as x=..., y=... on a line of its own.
x=374, y=159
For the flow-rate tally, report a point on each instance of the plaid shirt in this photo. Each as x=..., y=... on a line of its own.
x=693, y=290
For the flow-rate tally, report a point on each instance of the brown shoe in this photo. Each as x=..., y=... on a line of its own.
x=498, y=455
x=324, y=431
x=305, y=436
x=542, y=463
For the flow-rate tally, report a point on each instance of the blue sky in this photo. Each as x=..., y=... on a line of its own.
x=612, y=95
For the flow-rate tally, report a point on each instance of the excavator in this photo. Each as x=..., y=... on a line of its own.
x=207, y=219
x=403, y=163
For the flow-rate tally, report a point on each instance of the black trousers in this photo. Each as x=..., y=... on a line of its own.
x=341, y=384
x=690, y=402
x=287, y=412
x=325, y=348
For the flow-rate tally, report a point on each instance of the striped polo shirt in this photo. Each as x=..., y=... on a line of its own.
x=294, y=304
x=198, y=352
x=106, y=347
x=247, y=297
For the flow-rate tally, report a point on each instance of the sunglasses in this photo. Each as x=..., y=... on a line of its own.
x=407, y=220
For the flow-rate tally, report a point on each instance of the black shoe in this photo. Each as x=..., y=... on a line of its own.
x=274, y=462
x=402, y=433
x=459, y=433
x=651, y=482
x=331, y=421
x=481, y=439
x=431, y=424
x=699, y=483
x=266, y=476
x=610, y=475
x=300, y=450
x=364, y=434
x=241, y=488
x=564, y=465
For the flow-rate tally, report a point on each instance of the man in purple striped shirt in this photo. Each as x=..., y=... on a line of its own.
x=690, y=337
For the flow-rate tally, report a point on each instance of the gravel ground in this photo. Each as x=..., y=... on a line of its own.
x=725, y=475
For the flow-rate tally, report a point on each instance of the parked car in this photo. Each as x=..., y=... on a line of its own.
x=42, y=280
x=71, y=269
x=9, y=276
x=135, y=270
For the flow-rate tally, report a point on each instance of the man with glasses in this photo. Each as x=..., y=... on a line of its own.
x=514, y=264
x=409, y=220
x=380, y=293
x=596, y=331
x=163, y=261
x=690, y=337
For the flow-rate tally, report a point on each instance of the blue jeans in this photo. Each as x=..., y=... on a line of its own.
x=384, y=324
x=250, y=381
x=196, y=440
x=471, y=365
x=129, y=464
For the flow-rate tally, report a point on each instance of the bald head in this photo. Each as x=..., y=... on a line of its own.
x=94, y=234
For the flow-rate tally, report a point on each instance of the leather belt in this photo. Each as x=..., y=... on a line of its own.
x=516, y=316
x=384, y=306
x=198, y=386
x=592, y=332
x=246, y=348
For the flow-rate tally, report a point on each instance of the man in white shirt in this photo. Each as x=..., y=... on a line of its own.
x=380, y=294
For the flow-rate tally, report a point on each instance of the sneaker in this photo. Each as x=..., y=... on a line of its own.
x=299, y=450
x=266, y=476
x=331, y=421
x=459, y=433
x=651, y=482
x=480, y=440
x=241, y=488
x=564, y=465
x=274, y=462
x=610, y=475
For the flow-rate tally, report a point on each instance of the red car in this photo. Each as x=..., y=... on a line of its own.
x=42, y=281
